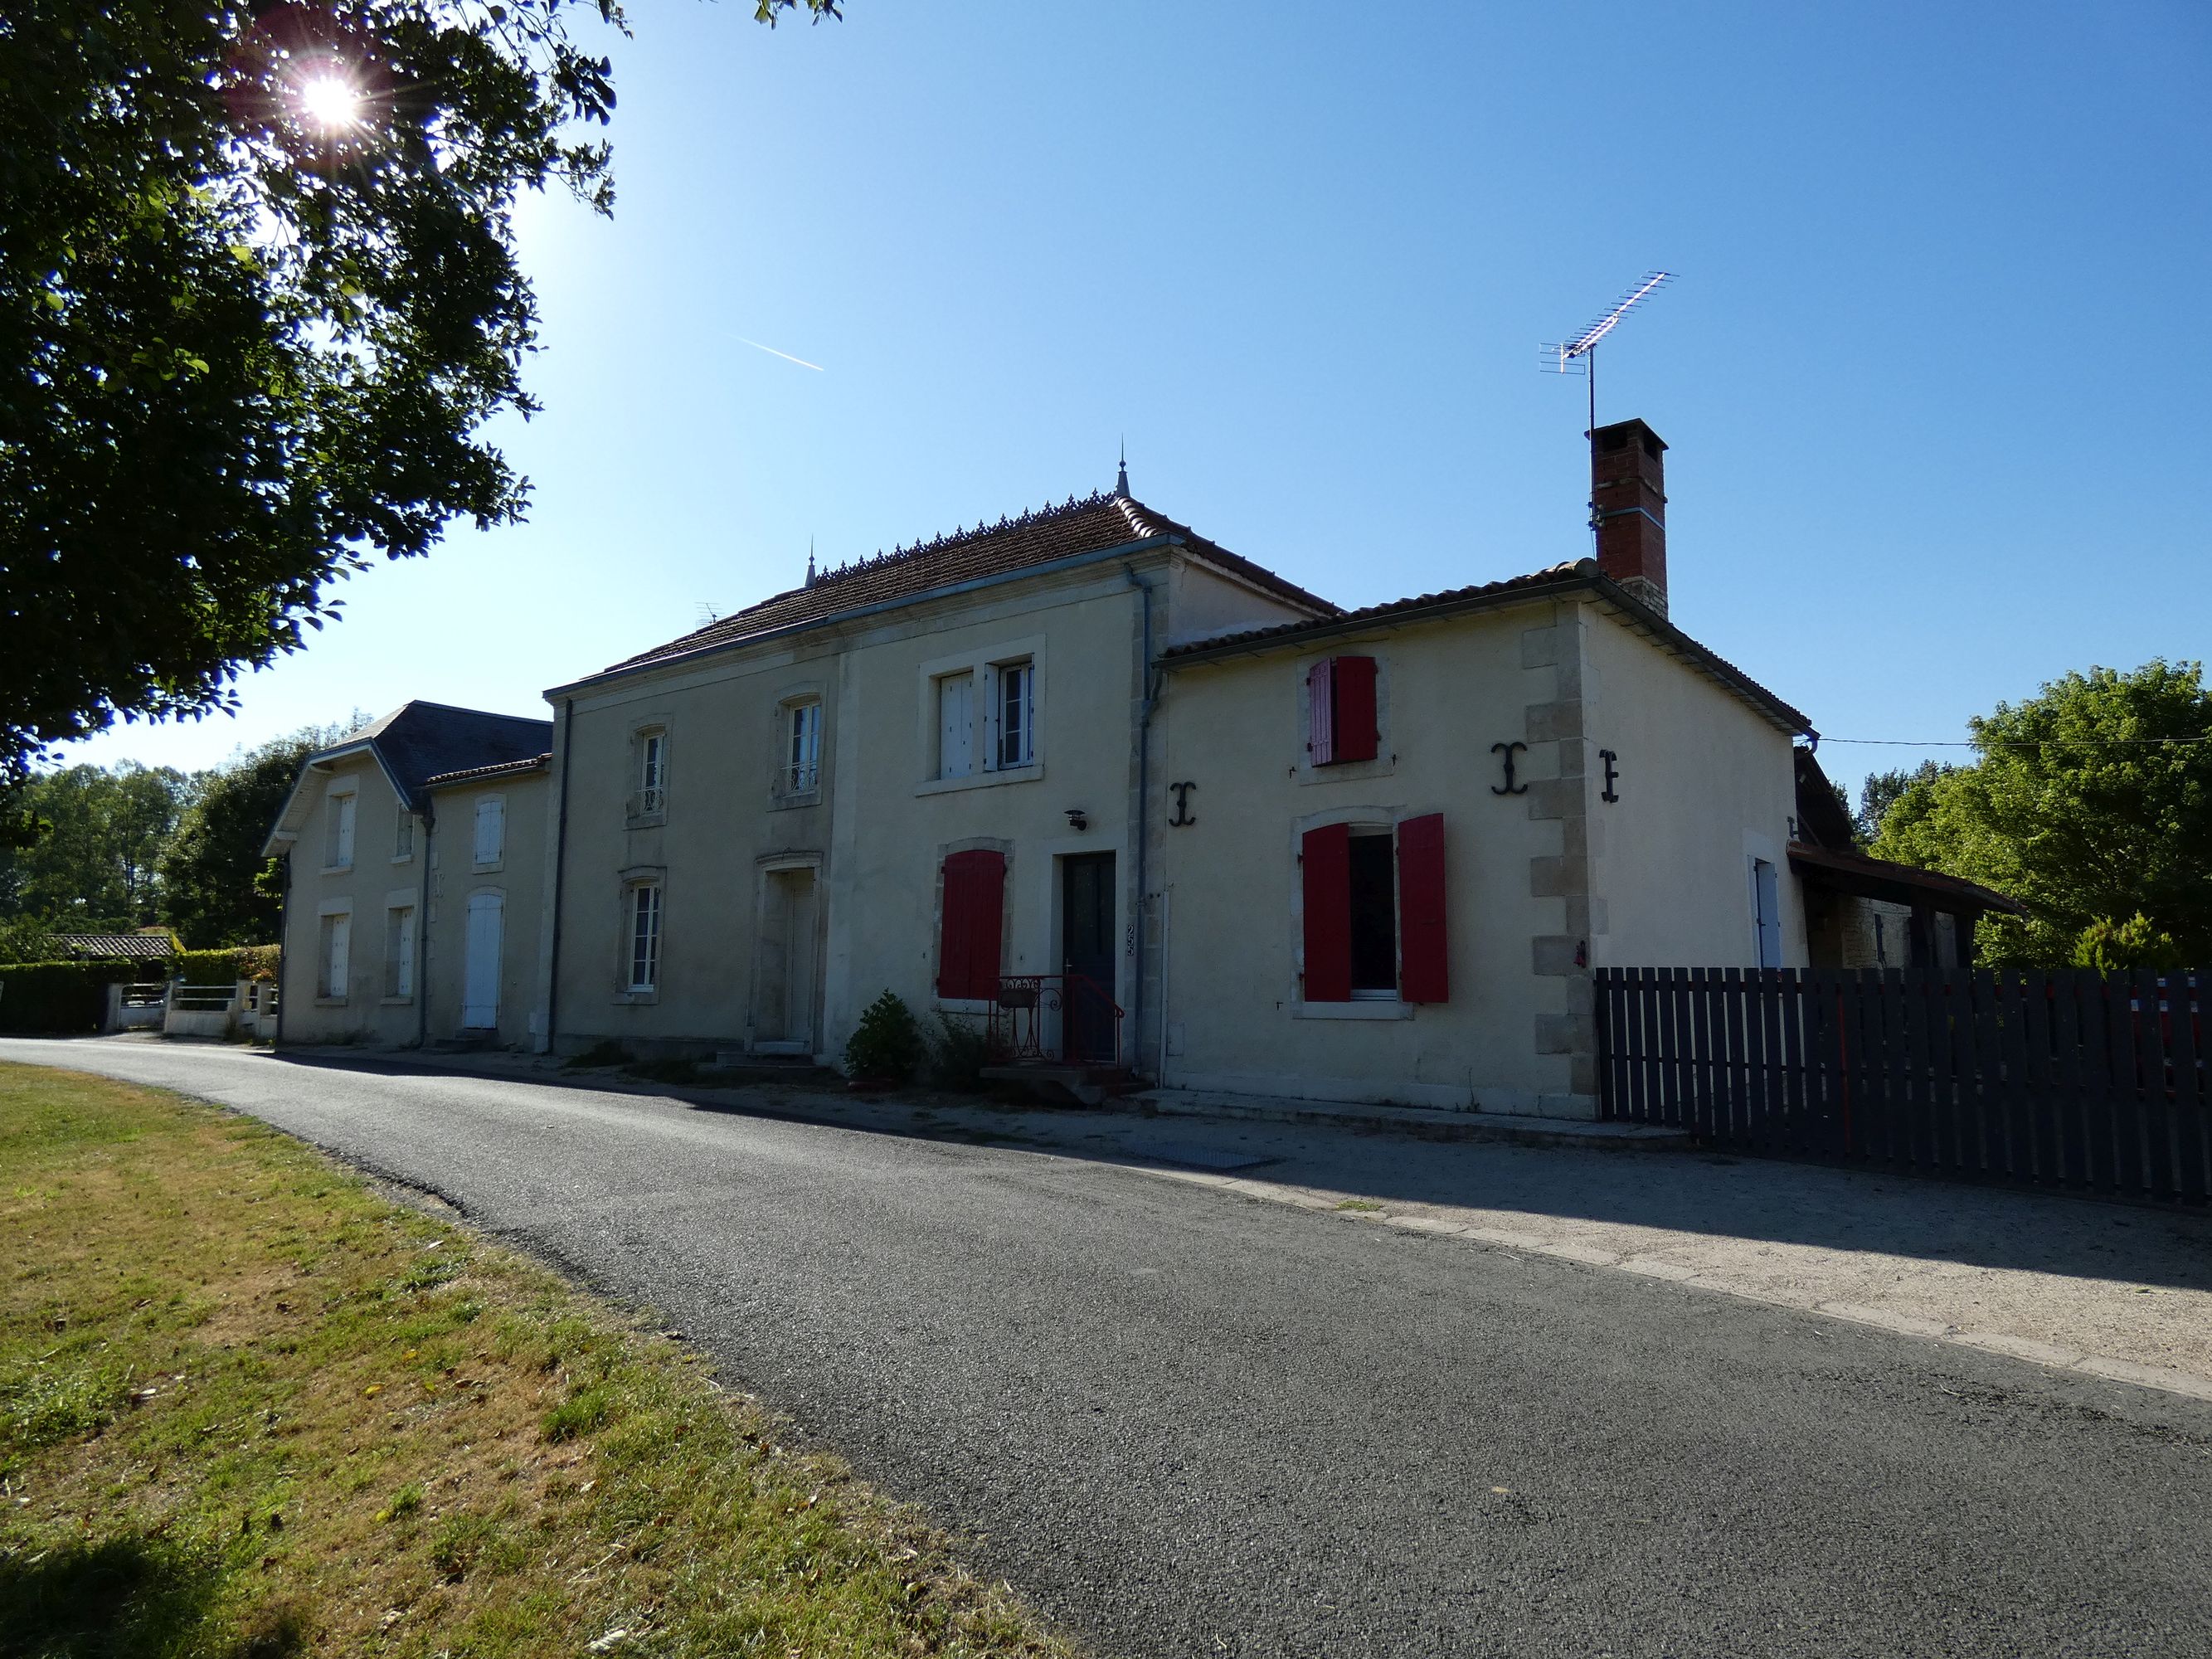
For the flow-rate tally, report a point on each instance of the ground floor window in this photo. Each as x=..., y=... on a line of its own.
x=335, y=953
x=400, y=950
x=1373, y=880
x=1374, y=901
x=645, y=911
x=971, y=925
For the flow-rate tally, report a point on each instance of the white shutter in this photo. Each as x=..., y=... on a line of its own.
x=956, y=740
x=1767, y=903
x=480, y=966
x=402, y=967
x=491, y=828
x=341, y=942
x=341, y=832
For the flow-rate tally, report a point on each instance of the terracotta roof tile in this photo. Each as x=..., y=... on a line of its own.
x=1092, y=525
x=497, y=769
x=1575, y=573
x=1558, y=572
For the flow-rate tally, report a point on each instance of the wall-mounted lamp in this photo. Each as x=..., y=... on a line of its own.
x=1078, y=819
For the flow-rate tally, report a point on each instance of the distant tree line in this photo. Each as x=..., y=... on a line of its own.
x=116, y=848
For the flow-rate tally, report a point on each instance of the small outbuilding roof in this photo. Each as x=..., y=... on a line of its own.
x=137, y=947
x=1900, y=884
x=1097, y=523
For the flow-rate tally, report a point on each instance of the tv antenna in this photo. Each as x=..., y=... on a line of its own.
x=1579, y=355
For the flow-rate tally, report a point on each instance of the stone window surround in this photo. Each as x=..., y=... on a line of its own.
x=635, y=815
x=324, y=912
x=981, y=661
x=1368, y=817
x=1385, y=763
x=629, y=881
x=790, y=697
x=343, y=789
x=489, y=866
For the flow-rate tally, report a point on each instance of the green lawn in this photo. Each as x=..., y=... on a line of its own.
x=249, y=1408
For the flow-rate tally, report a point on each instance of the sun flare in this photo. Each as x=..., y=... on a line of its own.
x=330, y=103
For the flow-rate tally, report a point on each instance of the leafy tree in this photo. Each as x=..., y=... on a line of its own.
x=93, y=867
x=1880, y=792
x=2092, y=804
x=215, y=885
x=258, y=294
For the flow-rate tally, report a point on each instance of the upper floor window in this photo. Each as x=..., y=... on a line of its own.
x=1340, y=722
x=956, y=725
x=644, y=912
x=338, y=842
x=652, y=774
x=1013, y=716
x=490, y=845
x=403, y=837
x=802, y=748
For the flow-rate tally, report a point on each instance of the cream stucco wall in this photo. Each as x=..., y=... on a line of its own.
x=518, y=875
x=897, y=822
x=725, y=822
x=1445, y=692
x=1705, y=786
x=1536, y=879
x=876, y=833
x=363, y=890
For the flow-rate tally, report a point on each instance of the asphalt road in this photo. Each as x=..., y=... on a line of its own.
x=1186, y=1424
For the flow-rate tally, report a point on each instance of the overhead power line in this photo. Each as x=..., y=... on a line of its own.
x=2008, y=742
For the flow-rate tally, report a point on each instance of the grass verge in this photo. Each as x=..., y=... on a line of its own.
x=250, y=1408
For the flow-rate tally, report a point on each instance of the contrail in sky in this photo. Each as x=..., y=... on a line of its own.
x=773, y=352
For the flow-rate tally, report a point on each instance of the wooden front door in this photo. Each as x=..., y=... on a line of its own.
x=1086, y=931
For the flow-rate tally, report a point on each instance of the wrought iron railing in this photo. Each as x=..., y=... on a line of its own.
x=1055, y=1017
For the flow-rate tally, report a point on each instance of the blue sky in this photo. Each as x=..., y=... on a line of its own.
x=1930, y=373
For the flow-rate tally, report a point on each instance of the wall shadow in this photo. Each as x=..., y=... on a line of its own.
x=1730, y=1194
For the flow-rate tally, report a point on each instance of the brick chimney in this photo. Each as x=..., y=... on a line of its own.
x=1628, y=506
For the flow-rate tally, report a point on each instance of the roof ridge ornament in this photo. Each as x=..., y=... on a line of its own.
x=1121, y=478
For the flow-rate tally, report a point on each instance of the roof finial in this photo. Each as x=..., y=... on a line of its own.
x=1122, y=483
x=810, y=560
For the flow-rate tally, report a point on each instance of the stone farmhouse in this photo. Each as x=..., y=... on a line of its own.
x=1141, y=804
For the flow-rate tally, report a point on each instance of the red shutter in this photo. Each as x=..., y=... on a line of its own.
x=1320, y=721
x=1327, y=860
x=1422, y=972
x=974, y=909
x=1352, y=698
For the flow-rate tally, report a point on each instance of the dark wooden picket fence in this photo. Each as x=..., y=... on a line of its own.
x=2072, y=1079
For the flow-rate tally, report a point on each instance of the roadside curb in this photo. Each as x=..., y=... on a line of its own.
x=1423, y=1122
x=2050, y=1356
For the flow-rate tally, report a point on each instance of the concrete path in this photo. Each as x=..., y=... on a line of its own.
x=1188, y=1423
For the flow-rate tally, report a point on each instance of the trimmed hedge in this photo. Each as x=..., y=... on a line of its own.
x=66, y=998
x=63, y=998
x=221, y=967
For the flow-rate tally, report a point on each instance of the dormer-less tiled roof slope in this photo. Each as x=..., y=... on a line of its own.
x=1574, y=574
x=1097, y=523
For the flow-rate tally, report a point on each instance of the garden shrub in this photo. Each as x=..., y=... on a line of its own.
x=887, y=1044
x=962, y=1050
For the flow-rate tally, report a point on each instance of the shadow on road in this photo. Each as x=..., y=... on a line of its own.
x=1721, y=1196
